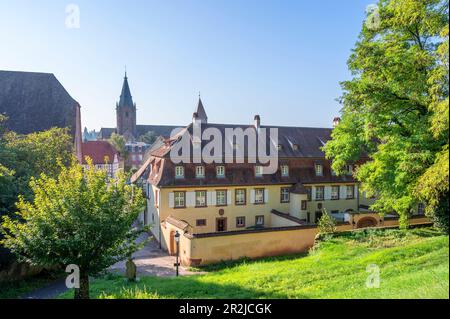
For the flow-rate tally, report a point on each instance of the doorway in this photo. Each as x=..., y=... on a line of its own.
x=221, y=224
x=317, y=217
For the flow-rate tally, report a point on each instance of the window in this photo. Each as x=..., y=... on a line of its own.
x=295, y=147
x=200, y=222
x=258, y=171
x=421, y=209
x=259, y=196
x=133, y=157
x=199, y=171
x=200, y=199
x=179, y=171
x=259, y=220
x=279, y=147
x=349, y=169
x=240, y=221
x=319, y=192
x=318, y=169
x=220, y=171
x=140, y=157
x=180, y=199
x=221, y=198
x=303, y=204
x=350, y=191
x=333, y=172
x=284, y=170
x=240, y=196
x=334, y=192
x=308, y=192
x=284, y=195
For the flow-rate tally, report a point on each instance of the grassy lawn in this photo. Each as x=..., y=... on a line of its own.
x=413, y=264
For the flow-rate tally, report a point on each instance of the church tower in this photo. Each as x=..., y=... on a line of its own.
x=126, y=112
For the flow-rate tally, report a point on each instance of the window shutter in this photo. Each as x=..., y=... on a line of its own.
x=343, y=192
x=229, y=197
x=252, y=196
x=171, y=200
x=266, y=195
x=190, y=199
x=313, y=193
x=327, y=195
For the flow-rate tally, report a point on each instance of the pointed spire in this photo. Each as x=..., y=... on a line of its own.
x=201, y=113
x=125, y=97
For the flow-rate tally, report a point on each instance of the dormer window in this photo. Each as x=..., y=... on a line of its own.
x=318, y=169
x=284, y=170
x=295, y=147
x=258, y=170
x=279, y=147
x=179, y=171
x=220, y=171
x=199, y=171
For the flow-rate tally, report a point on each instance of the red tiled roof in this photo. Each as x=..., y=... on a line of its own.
x=97, y=151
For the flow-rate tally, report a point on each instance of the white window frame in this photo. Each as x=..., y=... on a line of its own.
x=243, y=193
x=284, y=170
x=242, y=224
x=179, y=201
x=199, y=202
x=219, y=197
x=259, y=220
x=318, y=168
x=200, y=171
x=259, y=195
x=258, y=171
x=284, y=195
x=335, y=194
x=220, y=171
x=179, y=171
x=322, y=188
x=352, y=193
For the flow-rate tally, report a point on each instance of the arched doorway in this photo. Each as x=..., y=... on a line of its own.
x=367, y=222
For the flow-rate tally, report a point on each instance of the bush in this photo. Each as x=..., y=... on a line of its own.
x=327, y=224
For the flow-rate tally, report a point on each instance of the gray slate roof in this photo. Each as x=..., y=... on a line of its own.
x=125, y=97
x=35, y=102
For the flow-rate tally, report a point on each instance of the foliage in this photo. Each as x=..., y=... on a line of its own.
x=148, y=138
x=119, y=143
x=414, y=264
x=394, y=107
x=81, y=217
x=326, y=224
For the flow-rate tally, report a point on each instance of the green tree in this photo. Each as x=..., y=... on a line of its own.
x=326, y=223
x=391, y=104
x=81, y=217
x=148, y=138
x=119, y=143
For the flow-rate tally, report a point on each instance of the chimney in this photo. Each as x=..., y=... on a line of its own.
x=257, y=122
x=336, y=121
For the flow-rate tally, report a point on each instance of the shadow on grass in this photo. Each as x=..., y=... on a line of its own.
x=115, y=287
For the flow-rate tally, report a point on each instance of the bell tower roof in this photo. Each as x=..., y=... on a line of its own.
x=125, y=97
x=200, y=112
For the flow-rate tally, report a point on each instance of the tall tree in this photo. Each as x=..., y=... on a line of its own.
x=392, y=104
x=119, y=143
x=82, y=217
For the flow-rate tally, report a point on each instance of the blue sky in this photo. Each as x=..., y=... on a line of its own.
x=280, y=59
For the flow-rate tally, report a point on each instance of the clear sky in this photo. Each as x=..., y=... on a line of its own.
x=280, y=59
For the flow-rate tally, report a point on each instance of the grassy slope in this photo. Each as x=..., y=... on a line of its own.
x=413, y=264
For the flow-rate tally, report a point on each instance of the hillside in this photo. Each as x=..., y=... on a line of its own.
x=413, y=264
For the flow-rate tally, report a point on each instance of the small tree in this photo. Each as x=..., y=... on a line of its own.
x=82, y=217
x=327, y=224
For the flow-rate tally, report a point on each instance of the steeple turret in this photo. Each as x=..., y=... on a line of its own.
x=126, y=112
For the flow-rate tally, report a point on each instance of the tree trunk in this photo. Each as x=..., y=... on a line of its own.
x=83, y=291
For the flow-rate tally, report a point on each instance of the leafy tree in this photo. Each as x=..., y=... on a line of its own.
x=326, y=223
x=394, y=105
x=148, y=138
x=81, y=217
x=119, y=143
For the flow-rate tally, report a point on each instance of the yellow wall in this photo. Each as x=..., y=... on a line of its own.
x=195, y=251
x=210, y=213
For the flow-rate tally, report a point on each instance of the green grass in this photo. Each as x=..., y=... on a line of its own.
x=413, y=264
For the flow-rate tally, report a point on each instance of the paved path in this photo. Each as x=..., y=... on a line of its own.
x=150, y=261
